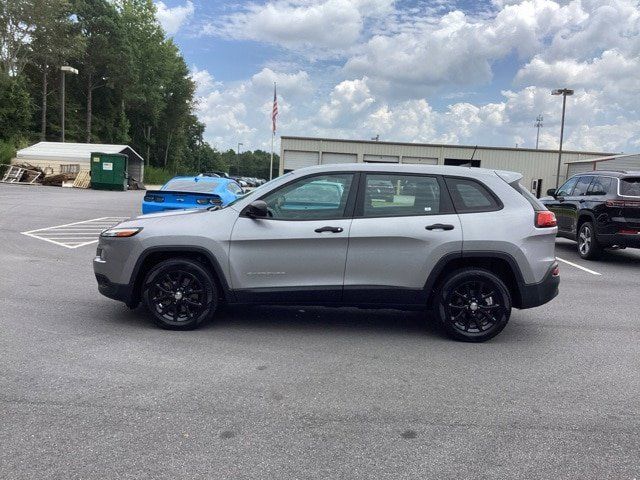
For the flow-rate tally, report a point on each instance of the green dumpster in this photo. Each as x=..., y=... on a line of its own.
x=108, y=171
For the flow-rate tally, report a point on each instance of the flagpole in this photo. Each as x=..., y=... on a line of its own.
x=271, y=163
x=273, y=132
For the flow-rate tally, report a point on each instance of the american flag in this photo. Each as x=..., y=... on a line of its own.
x=274, y=112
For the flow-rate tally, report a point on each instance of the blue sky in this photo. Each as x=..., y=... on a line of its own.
x=461, y=72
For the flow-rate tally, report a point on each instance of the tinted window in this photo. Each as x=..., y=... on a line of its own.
x=630, y=186
x=400, y=195
x=318, y=197
x=234, y=188
x=582, y=186
x=601, y=186
x=471, y=196
x=566, y=189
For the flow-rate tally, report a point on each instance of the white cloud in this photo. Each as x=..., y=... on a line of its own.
x=327, y=25
x=172, y=19
x=390, y=67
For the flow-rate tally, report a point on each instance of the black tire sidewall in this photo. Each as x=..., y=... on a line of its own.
x=465, y=275
x=193, y=267
x=594, y=249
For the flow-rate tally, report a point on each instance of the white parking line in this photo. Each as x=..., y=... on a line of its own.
x=578, y=266
x=76, y=234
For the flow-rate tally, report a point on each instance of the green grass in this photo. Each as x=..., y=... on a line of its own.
x=157, y=176
x=7, y=152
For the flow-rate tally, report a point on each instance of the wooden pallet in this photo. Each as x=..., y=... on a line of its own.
x=83, y=180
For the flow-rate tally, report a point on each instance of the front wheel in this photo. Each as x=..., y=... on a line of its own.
x=180, y=294
x=588, y=246
x=474, y=305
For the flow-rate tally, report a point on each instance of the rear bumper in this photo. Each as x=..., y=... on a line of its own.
x=621, y=240
x=536, y=294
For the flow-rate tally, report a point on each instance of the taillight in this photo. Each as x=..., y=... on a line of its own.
x=210, y=201
x=629, y=231
x=545, y=219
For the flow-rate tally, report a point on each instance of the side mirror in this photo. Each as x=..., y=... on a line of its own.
x=256, y=209
x=551, y=192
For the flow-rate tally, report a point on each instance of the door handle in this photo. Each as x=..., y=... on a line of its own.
x=439, y=226
x=329, y=229
x=582, y=200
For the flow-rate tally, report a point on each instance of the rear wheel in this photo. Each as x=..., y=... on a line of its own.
x=180, y=294
x=588, y=246
x=474, y=305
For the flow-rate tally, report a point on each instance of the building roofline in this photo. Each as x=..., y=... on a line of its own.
x=479, y=147
x=602, y=159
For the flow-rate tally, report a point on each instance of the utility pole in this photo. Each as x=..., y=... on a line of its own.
x=238, y=159
x=538, y=124
x=64, y=69
x=565, y=92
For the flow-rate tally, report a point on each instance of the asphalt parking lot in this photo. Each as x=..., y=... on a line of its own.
x=90, y=389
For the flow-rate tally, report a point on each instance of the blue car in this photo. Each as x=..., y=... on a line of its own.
x=191, y=192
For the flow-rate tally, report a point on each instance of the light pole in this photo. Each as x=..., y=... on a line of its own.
x=538, y=124
x=65, y=69
x=564, y=92
x=238, y=159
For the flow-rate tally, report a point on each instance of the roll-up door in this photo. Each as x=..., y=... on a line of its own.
x=575, y=168
x=420, y=160
x=339, y=158
x=381, y=159
x=294, y=159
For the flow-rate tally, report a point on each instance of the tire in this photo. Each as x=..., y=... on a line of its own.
x=473, y=305
x=180, y=294
x=588, y=246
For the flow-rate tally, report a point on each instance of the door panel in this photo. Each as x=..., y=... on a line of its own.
x=299, y=252
x=398, y=252
x=397, y=239
x=288, y=255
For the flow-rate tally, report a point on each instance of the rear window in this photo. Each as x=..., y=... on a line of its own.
x=471, y=196
x=182, y=185
x=630, y=187
x=529, y=197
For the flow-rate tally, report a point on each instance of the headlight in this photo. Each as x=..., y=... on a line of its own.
x=120, y=232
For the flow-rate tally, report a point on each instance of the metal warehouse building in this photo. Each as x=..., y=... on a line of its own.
x=58, y=157
x=611, y=162
x=538, y=166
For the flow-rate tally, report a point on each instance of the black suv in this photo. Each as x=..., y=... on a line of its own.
x=599, y=209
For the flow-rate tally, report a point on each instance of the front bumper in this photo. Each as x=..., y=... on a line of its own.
x=536, y=294
x=115, y=291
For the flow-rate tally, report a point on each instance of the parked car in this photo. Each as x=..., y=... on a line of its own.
x=201, y=191
x=479, y=246
x=599, y=209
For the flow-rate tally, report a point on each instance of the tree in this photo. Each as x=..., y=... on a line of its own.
x=54, y=39
x=100, y=25
x=15, y=107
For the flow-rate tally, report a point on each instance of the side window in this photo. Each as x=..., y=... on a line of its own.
x=566, y=189
x=233, y=188
x=401, y=195
x=471, y=196
x=601, y=186
x=311, y=198
x=582, y=186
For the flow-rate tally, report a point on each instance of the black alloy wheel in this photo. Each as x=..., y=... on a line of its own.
x=180, y=294
x=474, y=305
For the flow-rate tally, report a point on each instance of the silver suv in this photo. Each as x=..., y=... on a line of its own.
x=468, y=244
